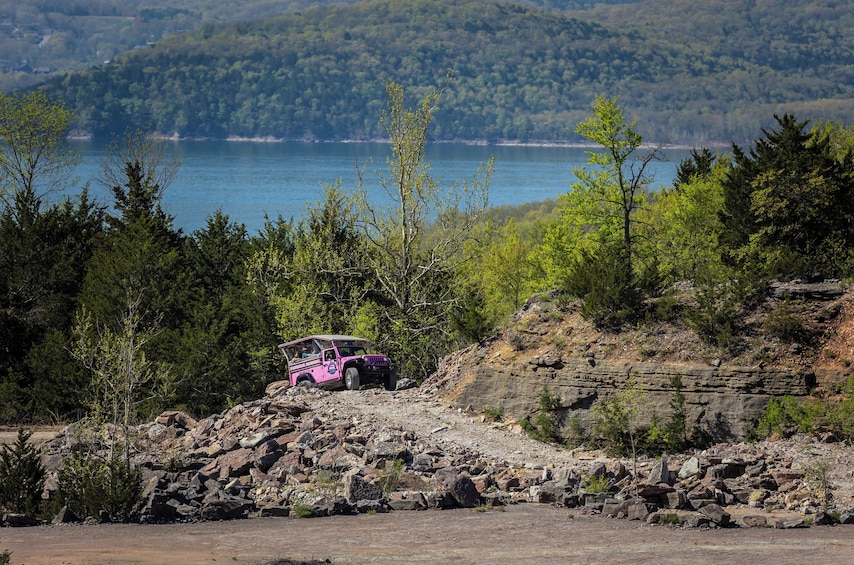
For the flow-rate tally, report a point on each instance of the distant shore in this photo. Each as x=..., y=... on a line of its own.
x=83, y=136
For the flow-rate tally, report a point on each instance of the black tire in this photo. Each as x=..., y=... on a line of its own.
x=390, y=382
x=306, y=382
x=351, y=378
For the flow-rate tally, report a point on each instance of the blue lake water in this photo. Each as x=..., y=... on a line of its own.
x=250, y=180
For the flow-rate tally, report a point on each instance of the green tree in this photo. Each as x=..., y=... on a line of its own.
x=595, y=236
x=35, y=157
x=328, y=273
x=682, y=227
x=413, y=273
x=619, y=421
x=787, y=204
x=610, y=191
x=22, y=476
x=698, y=165
x=228, y=335
x=132, y=301
x=44, y=248
x=506, y=269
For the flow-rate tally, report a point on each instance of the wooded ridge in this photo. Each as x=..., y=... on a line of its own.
x=695, y=75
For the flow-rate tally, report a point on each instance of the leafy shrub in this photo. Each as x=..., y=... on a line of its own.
x=22, y=476
x=783, y=323
x=5, y=556
x=91, y=486
x=576, y=434
x=669, y=519
x=676, y=429
x=786, y=417
x=304, y=511
x=469, y=318
x=817, y=477
x=617, y=420
x=714, y=318
x=607, y=286
x=597, y=484
x=390, y=479
x=494, y=413
x=544, y=426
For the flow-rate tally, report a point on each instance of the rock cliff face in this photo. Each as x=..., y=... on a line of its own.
x=550, y=346
x=723, y=401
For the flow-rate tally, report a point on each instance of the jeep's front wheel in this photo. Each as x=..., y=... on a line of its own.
x=390, y=382
x=351, y=378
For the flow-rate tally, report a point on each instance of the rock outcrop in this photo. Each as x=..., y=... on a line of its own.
x=551, y=347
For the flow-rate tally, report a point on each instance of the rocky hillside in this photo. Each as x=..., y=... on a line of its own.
x=550, y=345
x=306, y=452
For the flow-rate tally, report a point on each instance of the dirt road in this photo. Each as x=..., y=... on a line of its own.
x=522, y=534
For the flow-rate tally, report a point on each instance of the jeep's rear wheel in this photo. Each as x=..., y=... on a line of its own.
x=351, y=378
x=390, y=382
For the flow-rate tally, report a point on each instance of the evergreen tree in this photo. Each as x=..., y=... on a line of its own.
x=789, y=205
x=133, y=297
x=44, y=248
x=227, y=339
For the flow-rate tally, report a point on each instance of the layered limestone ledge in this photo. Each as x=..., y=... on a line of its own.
x=722, y=401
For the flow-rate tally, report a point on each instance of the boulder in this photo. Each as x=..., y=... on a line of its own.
x=15, y=519
x=358, y=488
x=790, y=523
x=639, y=510
x=176, y=418
x=847, y=517
x=752, y=521
x=659, y=473
x=459, y=486
x=690, y=468
x=65, y=516
x=408, y=501
x=716, y=514
x=227, y=509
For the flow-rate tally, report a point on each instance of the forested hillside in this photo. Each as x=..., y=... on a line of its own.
x=40, y=38
x=691, y=74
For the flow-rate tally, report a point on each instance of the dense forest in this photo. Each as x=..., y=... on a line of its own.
x=692, y=74
x=46, y=37
x=107, y=310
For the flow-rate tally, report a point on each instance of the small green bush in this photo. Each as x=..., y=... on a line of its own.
x=546, y=420
x=91, y=486
x=495, y=413
x=304, y=511
x=817, y=477
x=390, y=479
x=786, y=417
x=669, y=519
x=544, y=426
x=783, y=323
x=22, y=477
x=597, y=484
x=577, y=434
x=715, y=317
x=607, y=286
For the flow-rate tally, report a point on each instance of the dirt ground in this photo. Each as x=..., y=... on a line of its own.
x=524, y=533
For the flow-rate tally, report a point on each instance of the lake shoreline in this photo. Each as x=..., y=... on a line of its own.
x=469, y=142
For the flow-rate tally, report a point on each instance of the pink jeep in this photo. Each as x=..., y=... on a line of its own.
x=335, y=361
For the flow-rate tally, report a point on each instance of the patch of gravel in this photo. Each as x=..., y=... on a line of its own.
x=452, y=430
x=456, y=431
